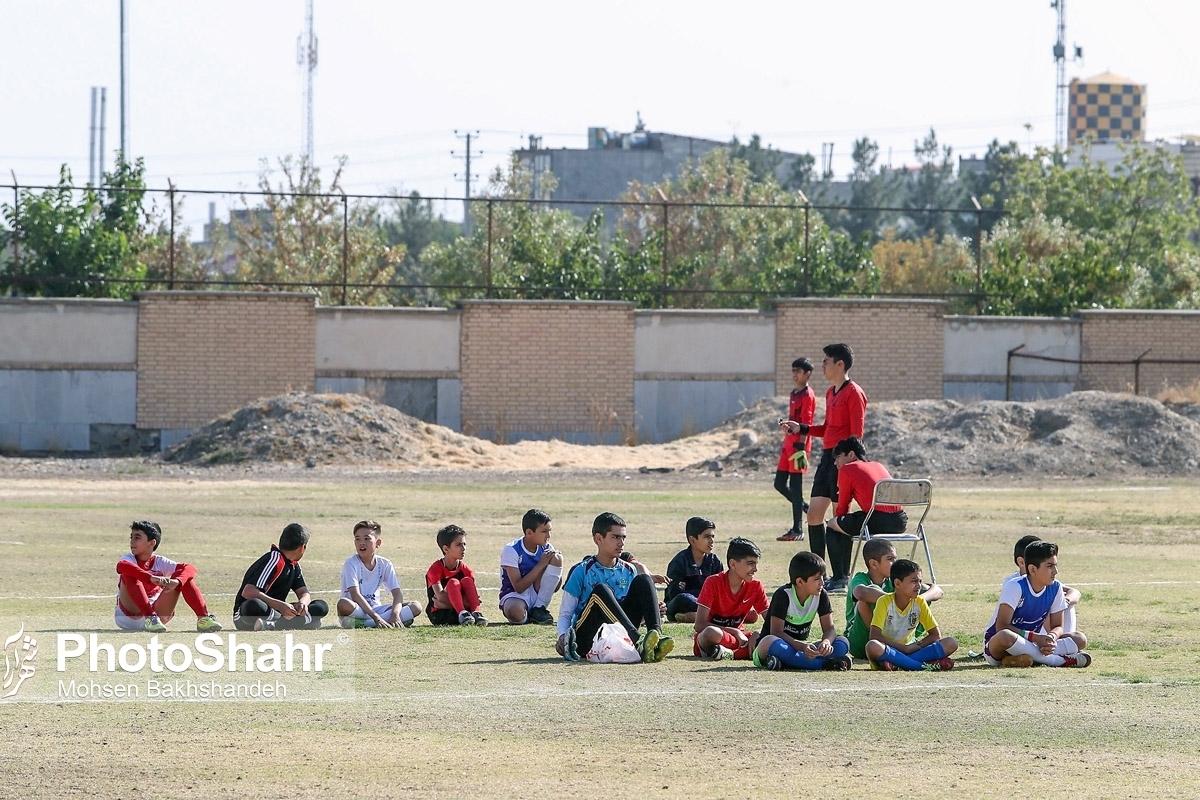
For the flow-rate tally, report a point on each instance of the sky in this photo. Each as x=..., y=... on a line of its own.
x=214, y=87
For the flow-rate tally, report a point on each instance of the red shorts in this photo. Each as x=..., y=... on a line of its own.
x=728, y=641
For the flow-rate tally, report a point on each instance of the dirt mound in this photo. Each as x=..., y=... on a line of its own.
x=1081, y=434
x=349, y=429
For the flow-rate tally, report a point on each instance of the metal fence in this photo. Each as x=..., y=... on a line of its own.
x=655, y=218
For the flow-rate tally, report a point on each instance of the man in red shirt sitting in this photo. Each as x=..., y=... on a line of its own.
x=856, y=477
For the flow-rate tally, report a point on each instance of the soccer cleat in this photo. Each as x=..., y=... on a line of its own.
x=154, y=624
x=648, y=644
x=773, y=663
x=723, y=654
x=791, y=536
x=1021, y=661
x=886, y=666
x=939, y=665
x=836, y=585
x=466, y=618
x=480, y=619
x=408, y=623
x=208, y=624
x=261, y=624
x=1081, y=660
x=665, y=645
x=840, y=664
x=540, y=615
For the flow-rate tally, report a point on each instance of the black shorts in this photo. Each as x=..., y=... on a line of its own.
x=825, y=478
x=881, y=522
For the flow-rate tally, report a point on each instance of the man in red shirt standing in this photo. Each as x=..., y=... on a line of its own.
x=845, y=416
x=856, y=482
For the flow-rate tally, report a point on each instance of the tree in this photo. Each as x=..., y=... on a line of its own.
x=410, y=221
x=296, y=237
x=993, y=186
x=536, y=251
x=81, y=242
x=933, y=187
x=871, y=187
x=763, y=162
x=920, y=267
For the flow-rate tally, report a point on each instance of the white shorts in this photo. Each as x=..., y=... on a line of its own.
x=1065, y=647
x=383, y=609
x=126, y=622
x=529, y=597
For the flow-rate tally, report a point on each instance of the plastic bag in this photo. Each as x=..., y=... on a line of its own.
x=613, y=646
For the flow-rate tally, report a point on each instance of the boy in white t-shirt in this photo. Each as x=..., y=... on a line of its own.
x=363, y=575
x=530, y=572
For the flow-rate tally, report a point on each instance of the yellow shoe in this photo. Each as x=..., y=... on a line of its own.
x=1021, y=661
x=208, y=624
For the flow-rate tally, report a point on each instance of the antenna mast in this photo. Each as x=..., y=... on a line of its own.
x=1060, y=63
x=306, y=58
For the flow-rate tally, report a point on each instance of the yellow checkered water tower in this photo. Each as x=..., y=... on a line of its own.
x=1105, y=108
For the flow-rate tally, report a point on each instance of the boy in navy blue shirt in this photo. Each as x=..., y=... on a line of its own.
x=689, y=568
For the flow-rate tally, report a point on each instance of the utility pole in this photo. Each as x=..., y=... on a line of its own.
x=124, y=86
x=466, y=178
x=306, y=58
x=92, y=137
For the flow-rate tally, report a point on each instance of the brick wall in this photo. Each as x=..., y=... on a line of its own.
x=899, y=345
x=203, y=354
x=555, y=368
x=1123, y=335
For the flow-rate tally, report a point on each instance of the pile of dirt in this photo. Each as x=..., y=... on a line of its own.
x=349, y=429
x=1082, y=434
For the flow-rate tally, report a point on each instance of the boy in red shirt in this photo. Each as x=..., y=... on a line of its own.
x=793, y=457
x=845, y=416
x=856, y=482
x=727, y=601
x=453, y=598
x=150, y=585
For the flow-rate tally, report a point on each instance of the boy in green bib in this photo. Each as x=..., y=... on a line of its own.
x=783, y=642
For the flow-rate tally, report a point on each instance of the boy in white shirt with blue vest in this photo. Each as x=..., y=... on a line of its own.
x=530, y=572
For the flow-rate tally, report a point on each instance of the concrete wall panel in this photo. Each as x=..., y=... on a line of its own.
x=67, y=331
x=408, y=340
x=729, y=343
x=667, y=410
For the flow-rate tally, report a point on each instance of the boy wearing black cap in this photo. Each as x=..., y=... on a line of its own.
x=149, y=585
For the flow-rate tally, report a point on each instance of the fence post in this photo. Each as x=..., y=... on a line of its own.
x=171, y=255
x=1008, y=373
x=487, y=275
x=978, y=256
x=807, y=205
x=666, y=274
x=345, y=244
x=16, y=287
x=1137, y=371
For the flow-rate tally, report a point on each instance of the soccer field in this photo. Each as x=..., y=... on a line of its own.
x=493, y=712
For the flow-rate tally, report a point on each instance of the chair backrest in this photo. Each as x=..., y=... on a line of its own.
x=900, y=492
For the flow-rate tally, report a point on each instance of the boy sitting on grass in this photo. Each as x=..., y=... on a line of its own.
x=363, y=575
x=1027, y=625
x=690, y=568
x=782, y=643
x=149, y=585
x=1070, y=594
x=894, y=625
x=604, y=589
x=867, y=587
x=727, y=600
x=261, y=604
x=530, y=572
x=453, y=597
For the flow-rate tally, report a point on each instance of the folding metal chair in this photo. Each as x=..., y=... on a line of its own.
x=909, y=494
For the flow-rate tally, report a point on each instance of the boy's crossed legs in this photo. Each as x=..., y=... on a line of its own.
x=788, y=657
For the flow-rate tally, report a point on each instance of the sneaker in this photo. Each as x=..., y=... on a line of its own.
x=261, y=624
x=791, y=536
x=723, y=654
x=838, y=664
x=465, y=618
x=836, y=585
x=665, y=645
x=208, y=624
x=1021, y=661
x=648, y=645
x=409, y=622
x=886, y=666
x=154, y=624
x=540, y=615
x=480, y=619
x=1080, y=660
x=940, y=665
x=773, y=663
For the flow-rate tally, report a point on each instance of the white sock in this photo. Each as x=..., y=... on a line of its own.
x=406, y=614
x=1028, y=648
x=548, y=585
x=1068, y=621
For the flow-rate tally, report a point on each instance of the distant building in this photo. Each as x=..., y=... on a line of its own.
x=1106, y=108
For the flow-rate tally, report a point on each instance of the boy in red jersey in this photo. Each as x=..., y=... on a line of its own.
x=453, y=598
x=727, y=601
x=150, y=585
x=793, y=458
x=845, y=416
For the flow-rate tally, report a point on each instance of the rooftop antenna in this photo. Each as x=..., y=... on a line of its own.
x=306, y=58
x=1060, y=63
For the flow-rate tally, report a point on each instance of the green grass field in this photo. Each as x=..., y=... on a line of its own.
x=494, y=713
